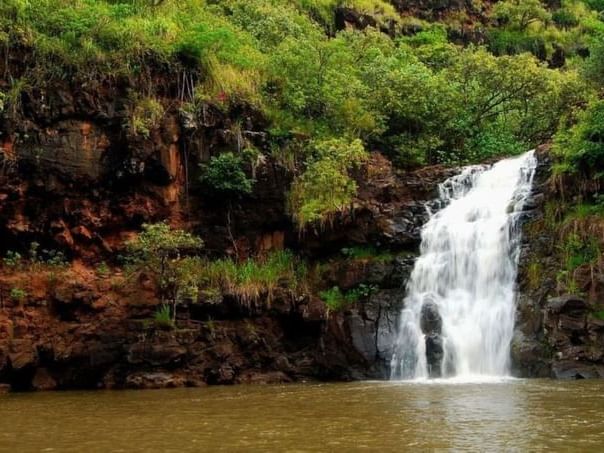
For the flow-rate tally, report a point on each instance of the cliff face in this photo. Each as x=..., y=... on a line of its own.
x=559, y=330
x=74, y=179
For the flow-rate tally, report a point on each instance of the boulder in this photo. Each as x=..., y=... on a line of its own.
x=434, y=355
x=577, y=370
x=566, y=304
x=154, y=380
x=431, y=322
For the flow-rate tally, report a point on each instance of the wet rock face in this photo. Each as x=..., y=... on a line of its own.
x=434, y=355
x=431, y=321
x=555, y=336
x=576, y=337
x=431, y=325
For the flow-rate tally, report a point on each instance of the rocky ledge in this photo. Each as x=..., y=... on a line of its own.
x=98, y=333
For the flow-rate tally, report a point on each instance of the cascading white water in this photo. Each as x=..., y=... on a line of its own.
x=465, y=276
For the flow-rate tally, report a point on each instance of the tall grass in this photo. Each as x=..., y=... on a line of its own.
x=252, y=279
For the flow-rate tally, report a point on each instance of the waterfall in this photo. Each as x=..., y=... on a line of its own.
x=458, y=317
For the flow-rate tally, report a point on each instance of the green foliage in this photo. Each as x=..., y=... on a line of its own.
x=333, y=298
x=36, y=258
x=366, y=253
x=144, y=116
x=583, y=211
x=326, y=187
x=160, y=242
x=12, y=259
x=520, y=14
x=580, y=148
x=18, y=295
x=565, y=18
x=103, y=270
x=362, y=291
x=224, y=175
x=534, y=275
x=419, y=99
x=336, y=300
x=576, y=251
x=510, y=42
x=163, y=318
x=161, y=251
x=250, y=279
x=599, y=314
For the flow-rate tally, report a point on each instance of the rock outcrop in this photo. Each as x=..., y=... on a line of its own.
x=557, y=335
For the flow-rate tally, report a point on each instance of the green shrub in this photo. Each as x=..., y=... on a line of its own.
x=144, y=116
x=335, y=299
x=224, y=175
x=565, y=18
x=251, y=279
x=534, y=275
x=12, y=259
x=18, y=295
x=102, y=269
x=581, y=147
x=326, y=188
x=160, y=251
x=163, y=318
x=366, y=253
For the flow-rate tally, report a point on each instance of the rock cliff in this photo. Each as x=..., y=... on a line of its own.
x=73, y=179
x=559, y=330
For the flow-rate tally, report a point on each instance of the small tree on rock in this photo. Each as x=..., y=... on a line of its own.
x=160, y=251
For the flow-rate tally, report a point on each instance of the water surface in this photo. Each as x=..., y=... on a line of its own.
x=518, y=415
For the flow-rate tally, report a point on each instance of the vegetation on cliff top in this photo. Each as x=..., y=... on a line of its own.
x=416, y=96
x=330, y=93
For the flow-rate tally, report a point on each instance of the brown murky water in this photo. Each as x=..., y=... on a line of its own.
x=524, y=415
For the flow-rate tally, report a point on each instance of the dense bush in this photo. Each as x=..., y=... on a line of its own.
x=581, y=147
x=224, y=175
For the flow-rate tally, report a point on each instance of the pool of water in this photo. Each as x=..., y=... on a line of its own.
x=516, y=415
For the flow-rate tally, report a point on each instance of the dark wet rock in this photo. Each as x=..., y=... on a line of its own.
x=156, y=354
x=568, y=304
x=575, y=370
x=154, y=380
x=43, y=380
x=530, y=356
x=431, y=321
x=431, y=325
x=254, y=377
x=374, y=327
x=434, y=355
x=555, y=335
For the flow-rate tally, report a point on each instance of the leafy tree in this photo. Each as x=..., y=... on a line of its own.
x=581, y=147
x=160, y=251
x=326, y=187
x=519, y=14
